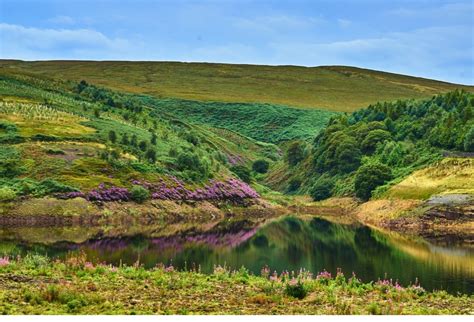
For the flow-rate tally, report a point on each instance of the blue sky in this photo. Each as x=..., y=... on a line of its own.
x=431, y=39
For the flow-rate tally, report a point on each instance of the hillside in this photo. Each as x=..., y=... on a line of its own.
x=366, y=152
x=75, y=140
x=337, y=88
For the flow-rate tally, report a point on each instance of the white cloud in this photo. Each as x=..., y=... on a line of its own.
x=34, y=43
x=62, y=20
x=430, y=52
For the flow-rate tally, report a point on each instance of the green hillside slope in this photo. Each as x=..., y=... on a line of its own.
x=370, y=150
x=335, y=88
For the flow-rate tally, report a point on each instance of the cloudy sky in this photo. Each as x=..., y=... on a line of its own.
x=428, y=38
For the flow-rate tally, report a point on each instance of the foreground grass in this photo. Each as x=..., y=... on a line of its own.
x=338, y=88
x=36, y=285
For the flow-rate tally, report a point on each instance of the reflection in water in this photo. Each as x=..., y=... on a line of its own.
x=287, y=244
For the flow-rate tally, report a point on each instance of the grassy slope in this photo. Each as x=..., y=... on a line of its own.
x=449, y=176
x=37, y=286
x=81, y=137
x=335, y=88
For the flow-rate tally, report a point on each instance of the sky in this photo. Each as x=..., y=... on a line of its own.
x=427, y=38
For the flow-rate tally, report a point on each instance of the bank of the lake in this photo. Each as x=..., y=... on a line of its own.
x=36, y=285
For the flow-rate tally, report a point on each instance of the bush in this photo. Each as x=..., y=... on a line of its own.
x=295, y=153
x=49, y=186
x=7, y=194
x=150, y=155
x=53, y=151
x=192, y=166
x=9, y=162
x=242, y=172
x=293, y=185
x=139, y=194
x=322, y=189
x=260, y=166
x=369, y=177
x=296, y=290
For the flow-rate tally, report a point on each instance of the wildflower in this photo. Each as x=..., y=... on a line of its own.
x=274, y=277
x=4, y=261
x=265, y=272
x=88, y=265
x=324, y=275
x=293, y=282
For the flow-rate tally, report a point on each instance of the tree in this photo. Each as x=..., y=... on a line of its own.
x=188, y=161
x=347, y=155
x=370, y=176
x=374, y=137
x=150, y=155
x=469, y=140
x=242, y=172
x=139, y=194
x=134, y=140
x=143, y=145
x=295, y=153
x=293, y=185
x=322, y=189
x=260, y=166
x=125, y=140
x=81, y=86
x=112, y=136
x=153, y=138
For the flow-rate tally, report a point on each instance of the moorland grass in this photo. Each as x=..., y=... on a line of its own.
x=338, y=88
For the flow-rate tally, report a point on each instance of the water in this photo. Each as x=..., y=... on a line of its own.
x=286, y=244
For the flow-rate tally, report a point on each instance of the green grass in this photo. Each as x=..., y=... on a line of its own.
x=35, y=285
x=41, y=115
x=262, y=122
x=337, y=88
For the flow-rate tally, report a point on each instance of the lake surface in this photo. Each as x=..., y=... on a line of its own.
x=289, y=244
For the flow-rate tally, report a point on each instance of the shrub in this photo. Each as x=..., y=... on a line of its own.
x=369, y=177
x=293, y=185
x=322, y=189
x=295, y=153
x=45, y=138
x=242, y=172
x=35, y=260
x=53, y=151
x=9, y=162
x=150, y=155
x=143, y=145
x=7, y=194
x=296, y=289
x=112, y=136
x=139, y=194
x=194, y=167
x=49, y=186
x=192, y=138
x=260, y=166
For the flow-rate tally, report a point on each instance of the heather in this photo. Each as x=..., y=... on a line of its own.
x=231, y=190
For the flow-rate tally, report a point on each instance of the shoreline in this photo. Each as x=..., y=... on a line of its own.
x=438, y=222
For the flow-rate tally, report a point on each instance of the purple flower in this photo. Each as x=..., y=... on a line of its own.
x=4, y=261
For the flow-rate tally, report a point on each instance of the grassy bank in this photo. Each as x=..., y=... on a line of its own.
x=36, y=285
